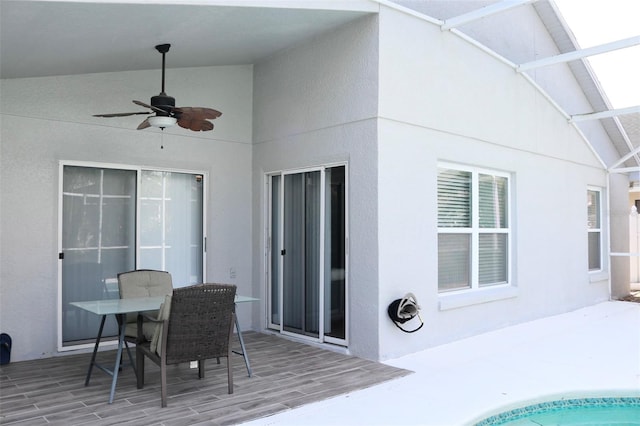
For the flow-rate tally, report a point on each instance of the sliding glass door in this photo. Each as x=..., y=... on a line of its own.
x=301, y=253
x=308, y=257
x=115, y=220
x=98, y=241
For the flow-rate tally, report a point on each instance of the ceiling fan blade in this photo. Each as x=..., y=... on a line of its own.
x=198, y=113
x=144, y=124
x=151, y=107
x=121, y=114
x=197, y=125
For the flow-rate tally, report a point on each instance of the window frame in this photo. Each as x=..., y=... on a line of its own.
x=475, y=230
x=274, y=265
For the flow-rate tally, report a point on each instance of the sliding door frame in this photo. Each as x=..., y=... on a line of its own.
x=138, y=169
x=278, y=241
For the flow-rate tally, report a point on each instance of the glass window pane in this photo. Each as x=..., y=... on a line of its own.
x=593, y=209
x=594, y=251
x=171, y=225
x=151, y=226
x=335, y=253
x=151, y=258
x=151, y=181
x=301, y=241
x=454, y=198
x=492, y=201
x=454, y=261
x=117, y=231
x=492, y=259
x=593, y=225
x=275, y=249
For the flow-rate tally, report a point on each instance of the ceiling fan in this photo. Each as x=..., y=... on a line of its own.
x=166, y=112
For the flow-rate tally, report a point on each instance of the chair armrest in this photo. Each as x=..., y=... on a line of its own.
x=146, y=316
x=142, y=317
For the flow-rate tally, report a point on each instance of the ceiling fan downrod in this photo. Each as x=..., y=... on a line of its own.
x=163, y=101
x=163, y=48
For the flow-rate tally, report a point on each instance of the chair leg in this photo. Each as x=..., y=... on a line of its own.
x=201, y=369
x=140, y=368
x=230, y=352
x=229, y=374
x=163, y=383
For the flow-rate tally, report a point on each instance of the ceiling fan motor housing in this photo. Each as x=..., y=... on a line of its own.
x=164, y=102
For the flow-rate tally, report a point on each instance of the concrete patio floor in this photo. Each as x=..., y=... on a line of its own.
x=590, y=351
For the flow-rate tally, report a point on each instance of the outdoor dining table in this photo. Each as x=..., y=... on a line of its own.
x=120, y=308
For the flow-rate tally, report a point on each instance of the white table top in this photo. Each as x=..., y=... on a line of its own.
x=136, y=304
x=244, y=299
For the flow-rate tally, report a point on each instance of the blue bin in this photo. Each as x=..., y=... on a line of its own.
x=5, y=349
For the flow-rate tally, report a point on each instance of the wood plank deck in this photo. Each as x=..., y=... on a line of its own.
x=286, y=375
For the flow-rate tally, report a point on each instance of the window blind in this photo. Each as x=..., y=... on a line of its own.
x=454, y=198
x=593, y=230
x=492, y=262
x=454, y=261
x=492, y=201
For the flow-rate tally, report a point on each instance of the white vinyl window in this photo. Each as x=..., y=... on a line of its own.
x=594, y=229
x=474, y=231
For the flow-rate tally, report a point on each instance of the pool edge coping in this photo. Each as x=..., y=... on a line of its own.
x=558, y=396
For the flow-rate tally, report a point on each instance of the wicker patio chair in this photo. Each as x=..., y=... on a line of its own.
x=142, y=283
x=194, y=324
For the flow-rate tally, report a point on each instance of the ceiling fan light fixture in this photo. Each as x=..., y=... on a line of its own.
x=162, y=121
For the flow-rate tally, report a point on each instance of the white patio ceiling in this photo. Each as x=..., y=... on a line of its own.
x=46, y=38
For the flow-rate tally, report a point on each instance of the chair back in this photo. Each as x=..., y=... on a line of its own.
x=200, y=322
x=143, y=283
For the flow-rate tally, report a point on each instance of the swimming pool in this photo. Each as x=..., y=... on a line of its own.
x=578, y=411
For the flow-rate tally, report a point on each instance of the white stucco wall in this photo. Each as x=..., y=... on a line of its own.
x=520, y=36
x=443, y=99
x=316, y=104
x=440, y=99
x=46, y=120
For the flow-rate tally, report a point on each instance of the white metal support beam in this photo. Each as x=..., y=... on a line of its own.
x=625, y=158
x=581, y=53
x=625, y=170
x=482, y=12
x=604, y=114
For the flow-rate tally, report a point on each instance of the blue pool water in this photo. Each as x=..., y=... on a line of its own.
x=565, y=412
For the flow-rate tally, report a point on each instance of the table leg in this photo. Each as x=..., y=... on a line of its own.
x=244, y=350
x=133, y=364
x=121, y=326
x=95, y=351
